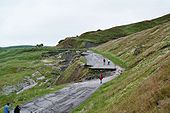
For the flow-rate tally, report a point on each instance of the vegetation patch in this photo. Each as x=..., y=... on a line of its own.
x=101, y=36
x=144, y=86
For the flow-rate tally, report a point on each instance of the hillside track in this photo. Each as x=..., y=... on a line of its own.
x=64, y=100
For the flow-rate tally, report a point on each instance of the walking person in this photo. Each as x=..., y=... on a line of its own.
x=108, y=62
x=6, y=108
x=101, y=77
x=17, y=109
x=104, y=61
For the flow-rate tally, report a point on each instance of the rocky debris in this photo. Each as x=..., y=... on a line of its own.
x=78, y=52
x=62, y=68
x=26, y=84
x=36, y=73
x=49, y=64
x=90, y=44
x=59, y=56
x=46, y=61
x=65, y=56
x=44, y=82
x=30, y=83
x=41, y=78
x=62, y=61
x=68, y=56
x=6, y=90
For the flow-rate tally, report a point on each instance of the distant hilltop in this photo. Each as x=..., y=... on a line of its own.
x=95, y=38
x=19, y=46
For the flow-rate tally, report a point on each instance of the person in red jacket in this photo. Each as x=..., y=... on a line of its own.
x=101, y=77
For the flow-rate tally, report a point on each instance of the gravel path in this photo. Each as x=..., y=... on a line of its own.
x=71, y=96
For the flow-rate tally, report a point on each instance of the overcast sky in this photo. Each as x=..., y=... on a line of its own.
x=29, y=22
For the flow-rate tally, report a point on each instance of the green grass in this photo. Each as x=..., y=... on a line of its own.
x=144, y=86
x=17, y=63
x=20, y=62
x=83, y=59
x=101, y=36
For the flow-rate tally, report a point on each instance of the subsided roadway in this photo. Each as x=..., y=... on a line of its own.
x=64, y=100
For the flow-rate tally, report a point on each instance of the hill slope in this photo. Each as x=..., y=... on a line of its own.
x=145, y=85
x=17, y=67
x=29, y=72
x=93, y=38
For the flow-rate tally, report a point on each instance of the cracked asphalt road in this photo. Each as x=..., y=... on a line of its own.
x=71, y=96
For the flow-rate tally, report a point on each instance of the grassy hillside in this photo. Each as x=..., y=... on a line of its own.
x=17, y=64
x=94, y=38
x=49, y=67
x=145, y=85
x=15, y=47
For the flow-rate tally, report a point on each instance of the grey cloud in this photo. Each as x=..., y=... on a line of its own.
x=48, y=21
